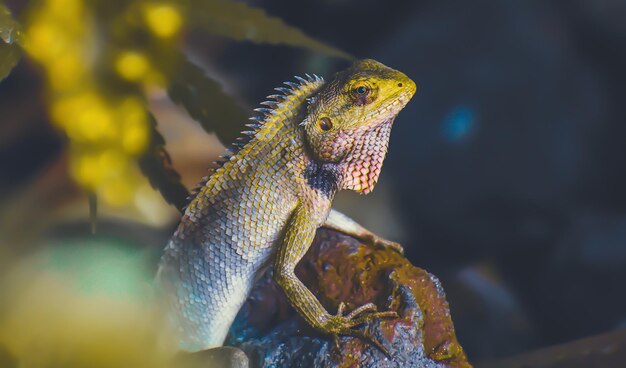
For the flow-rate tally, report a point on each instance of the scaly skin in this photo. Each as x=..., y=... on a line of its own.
x=265, y=203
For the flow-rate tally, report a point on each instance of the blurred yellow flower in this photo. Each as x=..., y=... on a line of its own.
x=107, y=126
x=41, y=40
x=119, y=190
x=67, y=72
x=86, y=117
x=85, y=169
x=135, y=127
x=164, y=20
x=132, y=65
x=107, y=132
x=68, y=7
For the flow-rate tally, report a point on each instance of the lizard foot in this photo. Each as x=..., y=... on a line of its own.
x=339, y=324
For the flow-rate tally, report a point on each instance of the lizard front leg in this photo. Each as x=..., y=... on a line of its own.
x=344, y=224
x=297, y=239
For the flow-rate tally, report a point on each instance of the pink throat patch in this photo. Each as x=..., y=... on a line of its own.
x=364, y=162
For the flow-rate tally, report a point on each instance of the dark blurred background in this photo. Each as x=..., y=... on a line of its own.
x=505, y=176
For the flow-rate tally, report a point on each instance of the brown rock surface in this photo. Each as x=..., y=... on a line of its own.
x=339, y=268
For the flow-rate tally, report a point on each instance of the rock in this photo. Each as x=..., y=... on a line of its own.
x=338, y=268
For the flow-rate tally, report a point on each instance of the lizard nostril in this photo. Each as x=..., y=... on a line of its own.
x=399, y=84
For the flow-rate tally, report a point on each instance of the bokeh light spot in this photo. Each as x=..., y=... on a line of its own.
x=132, y=65
x=163, y=20
x=458, y=124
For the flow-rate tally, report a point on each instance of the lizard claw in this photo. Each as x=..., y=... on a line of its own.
x=367, y=337
x=346, y=325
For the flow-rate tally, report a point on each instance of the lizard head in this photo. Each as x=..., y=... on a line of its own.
x=349, y=120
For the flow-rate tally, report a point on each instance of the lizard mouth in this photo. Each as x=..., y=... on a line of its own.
x=394, y=104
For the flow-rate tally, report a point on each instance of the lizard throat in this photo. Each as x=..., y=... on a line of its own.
x=363, y=164
x=324, y=177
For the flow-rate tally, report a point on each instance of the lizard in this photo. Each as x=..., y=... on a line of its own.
x=263, y=205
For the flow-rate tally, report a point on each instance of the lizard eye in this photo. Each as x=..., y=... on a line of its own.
x=360, y=90
x=362, y=93
x=325, y=124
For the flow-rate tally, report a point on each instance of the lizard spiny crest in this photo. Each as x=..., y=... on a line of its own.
x=274, y=106
x=272, y=110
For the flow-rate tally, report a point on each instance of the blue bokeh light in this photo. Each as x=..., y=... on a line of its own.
x=458, y=124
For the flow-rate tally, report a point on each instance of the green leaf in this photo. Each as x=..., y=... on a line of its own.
x=241, y=22
x=205, y=101
x=10, y=32
x=156, y=165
